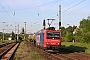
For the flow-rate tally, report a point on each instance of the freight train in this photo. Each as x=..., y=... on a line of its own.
x=48, y=39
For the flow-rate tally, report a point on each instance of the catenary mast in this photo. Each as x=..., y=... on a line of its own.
x=59, y=17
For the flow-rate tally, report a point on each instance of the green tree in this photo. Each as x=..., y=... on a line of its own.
x=86, y=37
x=67, y=33
x=69, y=29
x=83, y=33
x=85, y=25
x=7, y=35
x=13, y=36
x=63, y=31
x=74, y=27
x=78, y=35
x=68, y=37
x=1, y=35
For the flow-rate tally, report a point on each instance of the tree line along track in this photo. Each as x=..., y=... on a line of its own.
x=7, y=51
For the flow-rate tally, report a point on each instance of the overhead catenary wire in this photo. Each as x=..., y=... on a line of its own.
x=6, y=12
x=51, y=2
x=75, y=10
x=10, y=10
x=78, y=10
x=32, y=7
x=29, y=8
x=36, y=6
x=73, y=6
x=8, y=6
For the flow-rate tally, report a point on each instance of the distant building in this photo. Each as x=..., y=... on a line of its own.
x=9, y=38
x=75, y=30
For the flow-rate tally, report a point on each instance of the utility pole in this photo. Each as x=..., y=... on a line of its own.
x=3, y=35
x=59, y=17
x=44, y=24
x=25, y=31
x=15, y=33
x=18, y=32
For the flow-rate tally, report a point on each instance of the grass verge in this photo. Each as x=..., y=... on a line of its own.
x=26, y=52
x=80, y=47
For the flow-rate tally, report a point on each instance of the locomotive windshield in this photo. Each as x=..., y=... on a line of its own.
x=55, y=35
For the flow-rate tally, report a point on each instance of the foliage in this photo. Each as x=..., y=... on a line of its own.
x=67, y=33
x=86, y=37
x=77, y=38
x=63, y=31
x=13, y=36
x=85, y=25
x=74, y=27
x=82, y=36
x=0, y=36
x=85, y=30
x=69, y=29
x=82, y=33
x=6, y=36
x=68, y=37
x=78, y=35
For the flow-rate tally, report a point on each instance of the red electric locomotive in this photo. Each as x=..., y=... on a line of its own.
x=49, y=39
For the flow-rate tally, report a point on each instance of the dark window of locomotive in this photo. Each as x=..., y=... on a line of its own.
x=55, y=35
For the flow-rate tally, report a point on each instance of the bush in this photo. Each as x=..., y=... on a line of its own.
x=78, y=38
x=68, y=37
x=86, y=37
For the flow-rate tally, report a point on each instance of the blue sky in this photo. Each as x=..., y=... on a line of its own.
x=14, y=12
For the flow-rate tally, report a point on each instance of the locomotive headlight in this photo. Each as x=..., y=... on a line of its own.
x=47, y=43
x=58, y=43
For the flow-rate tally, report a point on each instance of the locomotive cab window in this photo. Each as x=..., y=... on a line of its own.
x=51, y=35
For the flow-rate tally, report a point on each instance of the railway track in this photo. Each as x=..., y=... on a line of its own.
x=7, y=51
x=51, y=56
x=4, y=44
x=59, y=56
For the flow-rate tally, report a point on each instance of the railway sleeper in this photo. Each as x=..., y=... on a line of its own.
x=5, y=52
x=10, y=52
